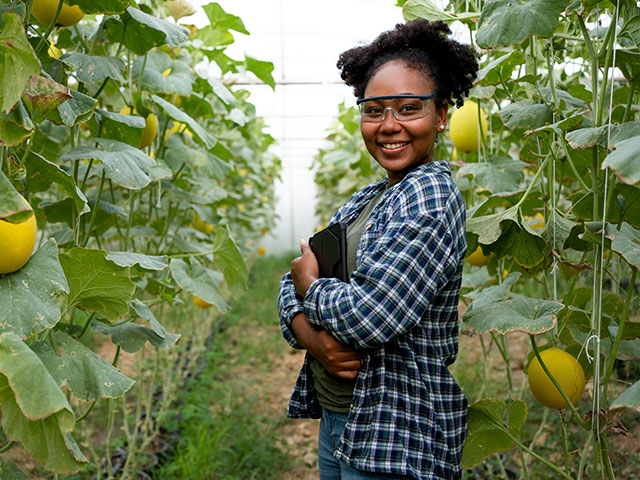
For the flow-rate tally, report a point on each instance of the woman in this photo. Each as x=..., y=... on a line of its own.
x=378, y=347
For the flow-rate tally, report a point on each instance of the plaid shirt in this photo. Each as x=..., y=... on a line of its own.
x=409, y=416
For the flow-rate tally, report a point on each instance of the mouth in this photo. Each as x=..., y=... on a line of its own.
x=393, y=145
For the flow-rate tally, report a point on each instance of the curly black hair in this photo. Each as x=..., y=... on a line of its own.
x=422, y=45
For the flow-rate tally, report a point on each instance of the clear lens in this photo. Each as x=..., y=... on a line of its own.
x=402, y=108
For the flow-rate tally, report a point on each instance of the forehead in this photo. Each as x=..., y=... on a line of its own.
x=395, y=78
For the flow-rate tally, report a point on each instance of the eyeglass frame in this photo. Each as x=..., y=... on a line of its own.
x=361, y=100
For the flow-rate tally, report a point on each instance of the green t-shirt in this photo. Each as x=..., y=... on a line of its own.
x=336, y=393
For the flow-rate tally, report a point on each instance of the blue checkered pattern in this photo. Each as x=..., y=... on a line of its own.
x=401, y=312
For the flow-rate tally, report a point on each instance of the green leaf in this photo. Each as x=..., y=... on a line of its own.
x=228, y=258
x=123, y=128
x=15, y=7
x=146, y=262
x=630, y=398
x=125, y=165
x=500, y=69
x=41, y=173
x=497, y=174
x=179, y=79
x=492, y=294
x=96, y=284
x=509, y=22
x=624, y=160
x=78, y=109
x=103, y=6
x=15, y=126
x=142, y=32
x=132, y=336
x=17, y=57
x=526, y=114
x=84, y=372
x=42, y=94
x=261, y=69
x=414, y=9
x=487, y=433
x=584, y=138
x=218, y=18
x=12, y=207
x=628, y=61
x=8, y=469
x=199, y=280
x=626, y=242
x=175, y=113
x=631, y=30
x=93, y=68
x=524, y=314
x=30, y=297
x=35, y=412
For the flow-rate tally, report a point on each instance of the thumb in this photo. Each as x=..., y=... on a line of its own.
x=304, y=246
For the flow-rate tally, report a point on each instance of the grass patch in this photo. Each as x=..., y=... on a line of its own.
x=226, y=429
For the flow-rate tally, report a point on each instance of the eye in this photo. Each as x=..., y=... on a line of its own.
x=409, y=108
x=372, y=110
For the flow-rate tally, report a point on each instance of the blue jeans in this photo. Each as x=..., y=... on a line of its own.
x=331, y=427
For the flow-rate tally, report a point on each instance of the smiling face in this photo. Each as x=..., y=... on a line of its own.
x=399, y=147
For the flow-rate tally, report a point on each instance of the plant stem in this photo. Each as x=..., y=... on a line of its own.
x=7, y=446
x=52, y=24
x=565, y=443
x=96, y=206
x=549, y=464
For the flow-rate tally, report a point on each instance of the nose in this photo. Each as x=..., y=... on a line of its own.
x=390, y=122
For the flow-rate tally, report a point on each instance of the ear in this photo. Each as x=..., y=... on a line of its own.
x=443, y=109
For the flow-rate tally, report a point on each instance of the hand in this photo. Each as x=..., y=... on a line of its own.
x=304, y=269
x=339, y=360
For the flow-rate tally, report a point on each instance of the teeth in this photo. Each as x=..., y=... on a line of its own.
x=394, y=145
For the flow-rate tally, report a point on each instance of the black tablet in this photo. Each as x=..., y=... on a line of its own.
x=330, y=248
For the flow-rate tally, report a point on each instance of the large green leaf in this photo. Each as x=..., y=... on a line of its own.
x=499, y=70
x=9, y=471
x=30, y=297
x=41, y=173
x=146, y=262
x=43, y=94
x=426, y=9
x=628, y=61
x=624, y=160
x=103, y=6
x=122, y=128
x=15, y=126
x=228, y=258
x=12, y=208
x=132, y=336
x=630, y=398
x=603, y=136
x=496, y=174
x=524, y=314
x=155, y=78
x=526, y=114
x=125, y=165
x=509, y=22
x=492, y=294
x=80, y=369
x=199, y=280
x=96, y=284
x=140, y=32
x=93, y=68
x=35, y=411
x=175, y=113
x=78, y=109
x=16, y=57
x=626, y=242
x=492, y=426
x=261, y=69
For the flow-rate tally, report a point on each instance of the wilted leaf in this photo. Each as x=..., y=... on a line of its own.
x=630, y=398
x=603, y=136
x=96, y=284
x=42, y=94
x=78, y=109
x=30, y=297
x=17, y=57
x=624, y=160
x=35, y=412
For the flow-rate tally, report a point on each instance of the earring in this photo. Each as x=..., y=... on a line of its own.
x=442, y=127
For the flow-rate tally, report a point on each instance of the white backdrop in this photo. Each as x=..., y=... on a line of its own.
x=303, y=39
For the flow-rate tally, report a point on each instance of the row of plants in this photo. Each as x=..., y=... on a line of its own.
x=545, y=153
x=134, y=178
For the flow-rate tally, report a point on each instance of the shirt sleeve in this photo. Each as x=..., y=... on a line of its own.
x=289, y=304
x=402, y=271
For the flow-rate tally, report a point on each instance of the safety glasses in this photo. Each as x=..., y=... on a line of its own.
x=403, y=107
